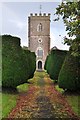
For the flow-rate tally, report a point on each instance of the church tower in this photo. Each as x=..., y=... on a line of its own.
x=39, y=37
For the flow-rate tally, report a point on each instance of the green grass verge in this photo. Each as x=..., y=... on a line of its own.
x=0, y=105
x=59, y=89
x=9, y=100
x=23, y=87
x=73, y=100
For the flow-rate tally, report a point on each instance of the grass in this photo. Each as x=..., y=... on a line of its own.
x=37, y=76
x=23, y=87
x=73, y=99
x=59, y=89
x=9, y=100
x=0, y=104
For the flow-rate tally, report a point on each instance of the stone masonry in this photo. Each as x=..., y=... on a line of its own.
x=39, y=37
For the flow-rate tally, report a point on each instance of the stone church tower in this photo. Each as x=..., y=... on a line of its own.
x=39, y=37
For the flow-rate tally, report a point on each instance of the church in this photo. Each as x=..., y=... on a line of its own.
x=39, y=37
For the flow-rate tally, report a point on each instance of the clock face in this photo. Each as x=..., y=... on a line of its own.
x=40, y=40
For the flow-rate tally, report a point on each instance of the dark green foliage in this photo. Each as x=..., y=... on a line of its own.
x=69, y=77
x=9, y=40
x=31, y=62
x=17, y=64
x=45, y=65
x=54, y=62
x=70, y=13
x=0, y=60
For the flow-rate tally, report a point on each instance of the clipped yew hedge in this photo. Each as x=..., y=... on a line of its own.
x=31, y=62
x=18, y=65
x=54, y=63
x=0, y=60
x=69, y=76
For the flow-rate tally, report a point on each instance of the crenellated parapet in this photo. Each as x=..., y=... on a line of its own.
x=40, y=14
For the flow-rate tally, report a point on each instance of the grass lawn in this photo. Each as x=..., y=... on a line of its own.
x=73, y=100
x=9, y=99
x=0, y=105
x=8, y=102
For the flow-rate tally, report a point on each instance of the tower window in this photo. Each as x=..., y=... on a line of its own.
x=39, y=27
x=40, y=53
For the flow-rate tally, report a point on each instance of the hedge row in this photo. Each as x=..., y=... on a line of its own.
x=65, y=67
x=54, y=63
x=18, y=65
x=69, y=77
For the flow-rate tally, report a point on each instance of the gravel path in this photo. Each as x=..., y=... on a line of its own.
x=42, y=101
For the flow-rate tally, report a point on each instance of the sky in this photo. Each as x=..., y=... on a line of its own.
x=15, y=21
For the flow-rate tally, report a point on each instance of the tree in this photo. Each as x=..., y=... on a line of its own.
x=18, y=65
x=70, y=13
x=69, y=76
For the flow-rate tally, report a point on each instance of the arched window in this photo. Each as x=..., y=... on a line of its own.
x=39, y=27
x=40, y=52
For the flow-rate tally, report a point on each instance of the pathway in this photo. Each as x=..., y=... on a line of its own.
x=42, y=101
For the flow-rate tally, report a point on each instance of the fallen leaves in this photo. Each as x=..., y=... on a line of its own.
x=41, y=101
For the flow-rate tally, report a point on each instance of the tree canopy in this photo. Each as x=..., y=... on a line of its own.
x=70, y=13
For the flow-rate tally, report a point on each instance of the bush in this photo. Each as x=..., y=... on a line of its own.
x=16, y=62
x=31, y=62
x=54, y=63
x=69, y=77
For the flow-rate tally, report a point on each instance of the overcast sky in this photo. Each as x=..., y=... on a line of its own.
x=15, y=21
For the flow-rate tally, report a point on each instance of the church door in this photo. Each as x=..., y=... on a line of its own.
x=39, y=65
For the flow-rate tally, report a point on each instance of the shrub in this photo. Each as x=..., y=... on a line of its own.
x=0, y=60
x=54, y=62
x=16, y=62
x=69, y=77
x=31, y=62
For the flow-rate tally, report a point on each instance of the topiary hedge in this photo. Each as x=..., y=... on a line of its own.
x=69, y=76
x=30, y=56
x=18, y=65
x=54, y=63
x=0, y=61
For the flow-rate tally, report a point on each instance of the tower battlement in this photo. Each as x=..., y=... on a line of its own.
x=40, y=14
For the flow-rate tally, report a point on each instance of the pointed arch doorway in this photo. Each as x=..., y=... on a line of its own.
x=40, y=65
